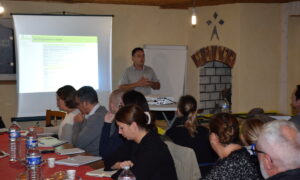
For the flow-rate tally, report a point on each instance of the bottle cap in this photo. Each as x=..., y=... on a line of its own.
x=126, y=167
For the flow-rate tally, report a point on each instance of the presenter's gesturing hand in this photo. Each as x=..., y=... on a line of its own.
x=144, y=82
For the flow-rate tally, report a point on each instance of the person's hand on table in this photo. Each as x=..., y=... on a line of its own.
x=120, y=165
x=109, y=117
x=79, y=118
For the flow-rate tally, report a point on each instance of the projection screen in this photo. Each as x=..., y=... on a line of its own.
x=57, y=50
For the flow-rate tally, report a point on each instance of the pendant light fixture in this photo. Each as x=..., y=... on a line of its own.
x=194, y=17
x=1, y=9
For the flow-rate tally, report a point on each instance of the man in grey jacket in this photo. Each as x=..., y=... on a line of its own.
x=89, y=122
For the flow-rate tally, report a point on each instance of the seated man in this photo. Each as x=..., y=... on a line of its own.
x=88, y=124
x=278, y=149
x=139, y=76
x=296, y=105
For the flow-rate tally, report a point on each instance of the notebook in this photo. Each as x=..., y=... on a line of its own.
x=69, y=151
x=50, y=142
x=100, y=173
x=77, y=160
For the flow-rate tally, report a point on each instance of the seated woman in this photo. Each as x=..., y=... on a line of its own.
x=144, y=151
x=110, y=138
x=186, y=132
x=235, y=162
x=65, y=102
x=250, y=130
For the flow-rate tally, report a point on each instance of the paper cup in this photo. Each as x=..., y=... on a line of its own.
x=71, y=174
x=51, y=162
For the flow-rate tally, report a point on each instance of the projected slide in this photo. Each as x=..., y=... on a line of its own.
x=50, y=62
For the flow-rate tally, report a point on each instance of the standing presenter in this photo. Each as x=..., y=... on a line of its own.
x=139, y=77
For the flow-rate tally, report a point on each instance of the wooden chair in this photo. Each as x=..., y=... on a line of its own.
x=55, y=115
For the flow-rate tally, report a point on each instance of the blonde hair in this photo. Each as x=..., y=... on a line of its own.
x=115, y=98
x=250, y=130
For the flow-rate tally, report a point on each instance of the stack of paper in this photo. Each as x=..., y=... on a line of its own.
x=101, y=173
x=50, y=142
x=78, y=160
x=69, y=151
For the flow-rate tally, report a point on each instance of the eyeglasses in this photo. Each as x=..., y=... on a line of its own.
x=254, y=149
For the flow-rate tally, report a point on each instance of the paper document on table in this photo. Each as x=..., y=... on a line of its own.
x=45, y=134
x=69, y=151
x=78, y=160
x=281, y=117
x=160, y=100
x=3, y=154
x=3, y=130
x=50, y=142
x=101, y=173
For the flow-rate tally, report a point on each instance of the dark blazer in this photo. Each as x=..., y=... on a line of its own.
x=86, y=135
x=109, y=143
x=296, y=121
x=151, y=158
x=287, y=175
x=199, y=143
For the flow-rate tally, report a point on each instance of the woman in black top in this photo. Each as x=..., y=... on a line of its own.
x=186, y=132
x=235, y=162
x=147, y=155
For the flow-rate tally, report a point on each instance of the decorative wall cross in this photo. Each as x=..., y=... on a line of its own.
x=215, y=22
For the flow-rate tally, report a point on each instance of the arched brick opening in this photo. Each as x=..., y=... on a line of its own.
x=215, y=64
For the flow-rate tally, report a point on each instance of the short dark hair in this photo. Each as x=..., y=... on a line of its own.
x=136, y=50
x=67, y=94
x=226, y=127
x=88, y=94
x=135, y=97
x=297, y=93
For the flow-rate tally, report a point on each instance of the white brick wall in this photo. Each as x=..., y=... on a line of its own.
x=214, y=77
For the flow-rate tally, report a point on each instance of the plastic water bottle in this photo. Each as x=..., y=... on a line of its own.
x=31, y=139
x=33, y=164
x=126, y=174
x=225, y=107
x=14, y=142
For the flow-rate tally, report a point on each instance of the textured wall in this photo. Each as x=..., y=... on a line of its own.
x=251, y=30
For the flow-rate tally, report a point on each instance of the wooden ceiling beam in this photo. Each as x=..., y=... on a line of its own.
x=167, y=4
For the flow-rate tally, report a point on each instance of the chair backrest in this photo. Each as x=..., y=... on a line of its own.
x=185, y=162
x=55, y=115
x=2, y=125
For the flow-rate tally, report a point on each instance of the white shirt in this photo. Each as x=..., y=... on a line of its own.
x=69, y=119
x=92, y=111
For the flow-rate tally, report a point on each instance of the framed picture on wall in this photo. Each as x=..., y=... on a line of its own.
x=7, y=51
